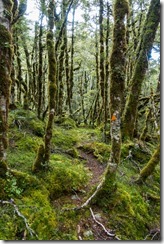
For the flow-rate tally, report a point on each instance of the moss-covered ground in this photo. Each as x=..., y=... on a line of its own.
x=43, y=199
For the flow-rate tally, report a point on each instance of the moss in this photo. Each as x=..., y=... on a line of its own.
x=65, y=122
x=8, y=7
x=6, y=55
x=150, y=166
x=64, y=139
x=38, y=164
x=27, y=120
x=65, y=176
x=3, y=169
x=100, y=150
x=2, y=191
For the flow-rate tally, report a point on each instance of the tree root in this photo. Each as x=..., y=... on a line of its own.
x=100, y=224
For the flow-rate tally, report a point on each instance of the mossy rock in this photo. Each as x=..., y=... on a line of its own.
x=65, y=176
x=64, y=139
x=65, y=122
x=99, y=149
x=26, y=120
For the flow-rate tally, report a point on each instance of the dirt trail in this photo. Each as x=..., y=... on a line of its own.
x=88, y=225
x=95, y=167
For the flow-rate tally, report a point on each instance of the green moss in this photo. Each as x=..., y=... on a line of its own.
x=27, y=120
x=39, y=162
x=64, y=176
x=100, y=150
x=150, y=166
x=65, y=122
x=3, y=169
x=64, y=139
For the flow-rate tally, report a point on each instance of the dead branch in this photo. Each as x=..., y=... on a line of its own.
x=11, y=202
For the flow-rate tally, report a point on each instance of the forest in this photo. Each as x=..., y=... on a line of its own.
x=80, y=120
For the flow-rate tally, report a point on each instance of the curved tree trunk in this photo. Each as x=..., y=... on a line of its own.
x=149, y=167
x=143, y=52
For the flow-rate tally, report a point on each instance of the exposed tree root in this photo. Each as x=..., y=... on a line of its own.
x=100, y=224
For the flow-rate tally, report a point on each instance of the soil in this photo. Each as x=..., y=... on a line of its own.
x=89, y=226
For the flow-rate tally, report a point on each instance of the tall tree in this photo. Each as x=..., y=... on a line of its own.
x=141, y=65
x=117, y=83
x=43, y=155
x=7, y=14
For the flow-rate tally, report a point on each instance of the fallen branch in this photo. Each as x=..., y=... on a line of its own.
x=11, y=202
x=106, y=231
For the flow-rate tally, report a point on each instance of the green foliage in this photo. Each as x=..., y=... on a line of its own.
x=11, y=187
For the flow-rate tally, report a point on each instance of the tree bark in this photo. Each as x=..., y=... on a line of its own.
x=43, y=156
x=143, y=52
x=117, y=80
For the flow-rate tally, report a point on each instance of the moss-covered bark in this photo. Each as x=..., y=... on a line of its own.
x=40, y=70
x=5, y=81
x=145, y=129
x=117, y=80
x=143, y=52
x=44, y=151
x=150, y=166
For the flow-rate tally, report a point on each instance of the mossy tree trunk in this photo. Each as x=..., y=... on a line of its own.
x=40, y=69
x=117, y=79
x=102, y=52
x=44, y=151
x=106, y=86
x=7, y=14
x=141, y=65
x=5, y=81
x=117, y=82
x=149, y=167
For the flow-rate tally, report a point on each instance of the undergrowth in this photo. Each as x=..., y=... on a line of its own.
x=132, y=212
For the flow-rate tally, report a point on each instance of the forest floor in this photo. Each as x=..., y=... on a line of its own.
x=49, y=200
x=95, y=224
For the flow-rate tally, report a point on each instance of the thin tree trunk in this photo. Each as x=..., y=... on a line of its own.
x=117, y=81
x=40, y=70
x=149, y=167
x=147, y=39
x=44, y=151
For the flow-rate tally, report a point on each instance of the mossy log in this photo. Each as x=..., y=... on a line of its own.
x=149, y=167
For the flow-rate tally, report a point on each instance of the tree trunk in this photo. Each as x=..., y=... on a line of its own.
x=149, y=167
x=5, y=81
x=117, y=80
x=40, y=70
x=147, y=39
x=44, y=151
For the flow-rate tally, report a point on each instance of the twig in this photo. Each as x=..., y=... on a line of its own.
x=11, y=202
x=107, y=232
